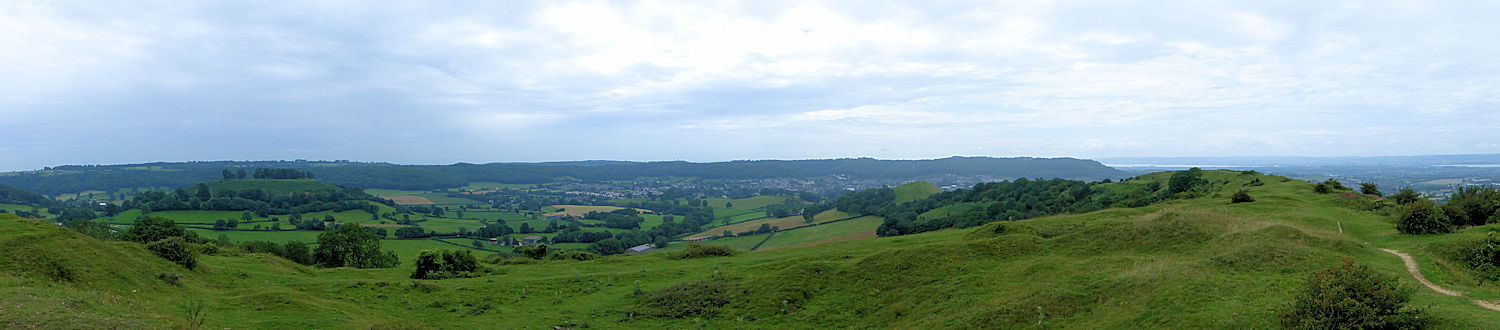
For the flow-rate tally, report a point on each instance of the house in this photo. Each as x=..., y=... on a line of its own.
x=531, y=240
x=494, y=241
x=640, y=248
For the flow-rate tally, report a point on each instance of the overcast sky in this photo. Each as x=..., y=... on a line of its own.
x=91, y=82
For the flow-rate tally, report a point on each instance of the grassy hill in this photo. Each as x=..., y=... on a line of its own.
x=1188, y=263
x=914, y=191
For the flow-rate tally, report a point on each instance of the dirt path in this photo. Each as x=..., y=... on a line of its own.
x=1411, y=266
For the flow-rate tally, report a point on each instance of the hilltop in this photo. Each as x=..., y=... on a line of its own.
x=1193, y=260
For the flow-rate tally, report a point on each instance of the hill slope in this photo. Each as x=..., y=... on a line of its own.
x=1193, y=263
x=914, y=191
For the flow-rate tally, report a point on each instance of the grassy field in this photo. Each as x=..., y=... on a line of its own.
x=580, y=210
x=392, y=192
x=914, y=191
x=783, y=223
x=750, y=203
x=1195, y=263
x=720, y=213
x=847, y=230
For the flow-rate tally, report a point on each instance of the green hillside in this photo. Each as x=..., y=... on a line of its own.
x=1184, y=263
x=914, y=191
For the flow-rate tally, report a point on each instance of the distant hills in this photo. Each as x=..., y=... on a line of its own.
x=76, y=178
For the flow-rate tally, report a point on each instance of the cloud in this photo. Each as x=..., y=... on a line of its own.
x=650, y=80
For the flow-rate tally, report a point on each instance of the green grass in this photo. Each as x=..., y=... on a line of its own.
x=1196, y=263
x=749, y=203
x=852, y=229
x=914, y=191
x=392, y=192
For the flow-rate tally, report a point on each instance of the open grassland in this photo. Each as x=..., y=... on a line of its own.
x=829, y=215
x=1195, y=263
x=847, y=230
x=409, y=200
x=783, y=223
x=721, y=213
x=749, y=203
x=392, y=192
x=479, y=185
x=580, y=210
x=914, y=191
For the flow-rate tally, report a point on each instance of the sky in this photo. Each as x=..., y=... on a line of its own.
x=96, y=82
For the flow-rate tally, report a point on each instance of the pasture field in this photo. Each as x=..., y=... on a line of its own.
x=27, y=208
x=481, y=185
x=279, y=236
x=494, y=215
x=409, y=200
x=914, y=191
x=392, y=192
x=743, y=217
x=720, y=213
x=580, y=210
x=1188, y=263
x=750, y=203
x=783, y=223
x=740, y=243
x=444, y=199
x=948, y=210
x=829, y=215
x=847, y=230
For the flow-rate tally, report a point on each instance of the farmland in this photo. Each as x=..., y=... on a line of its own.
x=1190, y=263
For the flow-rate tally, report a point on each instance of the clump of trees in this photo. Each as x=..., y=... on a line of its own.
x=352, y=246
x=1329, y=186
x=1369, y=189
x=279, y=173
x=702, y=251
x=1422, y=217
x=1349, y=296
x=1242, y=196
x=258, y=201
x=444, y=264
x=177, y=250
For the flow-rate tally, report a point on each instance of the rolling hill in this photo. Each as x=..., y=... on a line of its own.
x=1199, y=262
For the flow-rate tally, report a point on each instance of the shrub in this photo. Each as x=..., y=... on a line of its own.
x=572, y=255
x=441, y=264
x=1185, y=180
x=1242, y=196
x=1481, y=255
x=1406, y=196
x=1350, y=296
x=175, y=279
x=1369, y=189
x=702, y=251
x=686, y=299
x=1422, y=217
x=535, y=252
x=176, y=250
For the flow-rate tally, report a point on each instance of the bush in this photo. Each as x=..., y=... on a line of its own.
x=441, y=264
x=176, y=250
x=1406, y=196
x=1350, y=296
x=1422, y=217
x=535, y=252
x=352, y=246
x=1243, y=196
x=572, y=255
x=1369, y=189
x=1481, y=255
x=702, y=251
x=686, y=299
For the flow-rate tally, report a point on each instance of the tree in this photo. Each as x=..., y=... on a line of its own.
x=661, y=242
x=1422, y=217
x=1350, y=296
x=434, y=265
x=608, y=246
x=352, y=246
x=228, y=175
x=246, y=216
x=176, y=250
x=153, y=228
x=1406, y=196
x=1242, y=196
x=297, y=252
x=535, y=252
x=1369, y=189
x=728, y=205
x=240, y=173
x=1185, y=180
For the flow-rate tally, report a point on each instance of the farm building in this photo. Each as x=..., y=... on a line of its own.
x=696, y=239
x=494, y=241
x=640, y=248
x=531, y=240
